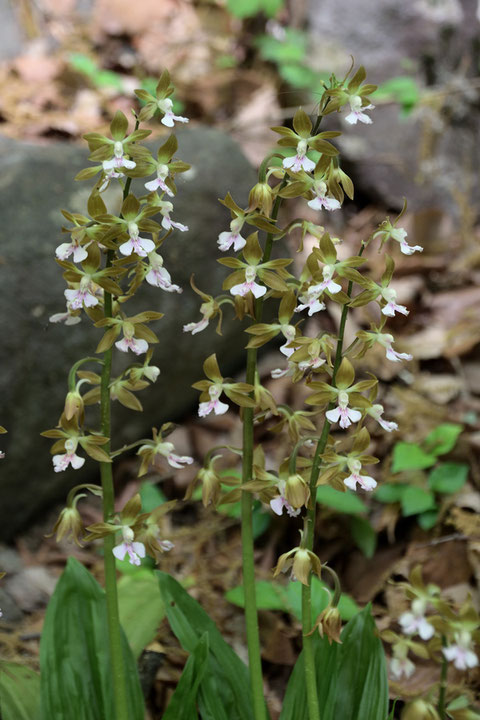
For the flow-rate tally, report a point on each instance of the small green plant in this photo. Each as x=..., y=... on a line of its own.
x=420, y=493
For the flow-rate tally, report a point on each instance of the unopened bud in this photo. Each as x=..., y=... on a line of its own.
x=330, y=624
x=305, y=562
x=420, y=710
x=261, y=197
x=69, y=525
x=73, y=404
x=210, y=486
x=296, y=491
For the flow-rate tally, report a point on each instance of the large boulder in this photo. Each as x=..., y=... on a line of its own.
x=35, y=355
x=432, y=155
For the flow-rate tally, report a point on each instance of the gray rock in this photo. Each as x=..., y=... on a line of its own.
x=437, y=43
x=12, y=35
x=10, y=560
x=11, y=612
x=31, y=588
x=35, y=356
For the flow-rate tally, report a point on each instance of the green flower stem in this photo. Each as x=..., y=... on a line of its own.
x=72, y=375
x=248, y=561
x=443, y=683
x=310, y=675
x=114, y=631
x=113, y=619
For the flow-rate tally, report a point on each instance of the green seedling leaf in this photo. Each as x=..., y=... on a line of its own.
x=343, y=502
x=19, y=692
x=390, y=492
x=74, y=653
x=141, y=608
x=271, y=7
x=364, y=535
x=416, y=500
x=224, y=693
x=151, y=496
x=443, y=439
x=351, y=677
x=410, y=456
x=291, y=49
x=299, y=75
x=183, y=704
x=427, y=519
x=244, y=8
x=402, y=89
x=270, y=596
x=101, y=78
x=261, y=520
x=448, y=477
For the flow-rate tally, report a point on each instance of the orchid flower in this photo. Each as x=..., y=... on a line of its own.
x=61, y=462
x=357, y=111
x=214, y=404
x=321, y=201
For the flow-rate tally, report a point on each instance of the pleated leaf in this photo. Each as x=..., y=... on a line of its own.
x=19, y=692
x=183, y=704
x=351, y=677
x=224, y=692
x=74, y=653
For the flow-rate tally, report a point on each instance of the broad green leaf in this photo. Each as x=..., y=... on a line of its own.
x=261, y=519
x=295, y=701
x=290, y=49
x=409, y=456
x=243, y=8
x=364, y=535
x=362, y=686
x=402, y=89
x=417, y=500
x=448, y=477
x=19, y=692
x=390, y=492
x=345, y=502
x=226, y=680
x=288, y=598
x=151, y=496
x=443, y=439
x=299, y=76
x=74, y=653
x=183, y=704
x=141, y=608
x=351, y=677
x=271, y=7
x=427, y=519
x=270, y=596
x=347, y=607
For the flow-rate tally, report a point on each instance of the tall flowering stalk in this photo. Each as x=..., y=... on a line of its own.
x=310, y=168
x=105, y=260
x=433, y=628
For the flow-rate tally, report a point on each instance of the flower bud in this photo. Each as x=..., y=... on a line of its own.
x=210, y=485
x=296, y=491
x=73, y=404
x=305, y=562
x=419, y=710
x=151, y=372
x=330, y=624
x=261, y=197
x=69, y=525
